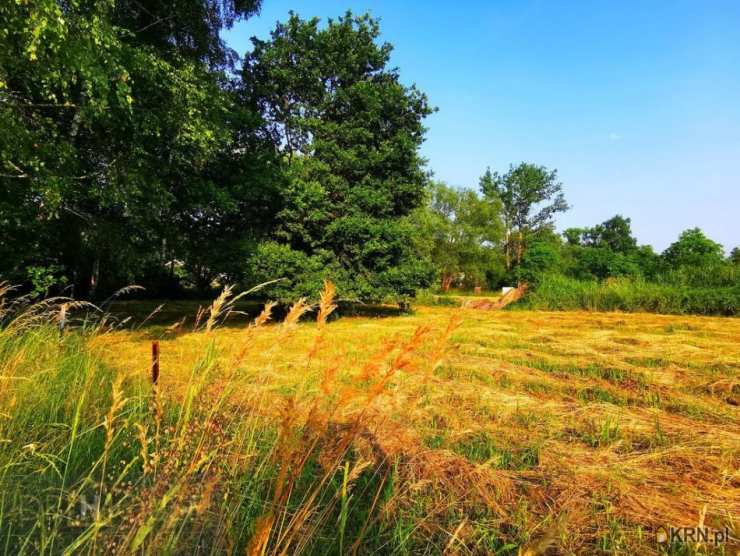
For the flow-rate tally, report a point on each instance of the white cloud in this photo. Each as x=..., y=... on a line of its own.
x=614, y=136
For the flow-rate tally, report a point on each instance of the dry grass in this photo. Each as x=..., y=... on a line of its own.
x=578, y=431
x=456, y=430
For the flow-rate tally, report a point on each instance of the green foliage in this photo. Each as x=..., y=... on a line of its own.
x=123, y=137
x=132, y=150
x=558, y=292
x=349, y=133
x=530, y=195
x=614, y=234
x=722, y=275
x=302, y=275
x=601, y=262
x=539, y=260
x=607, y=250
x=602, y=268
x=649, y=262
x=188, y=28
x=43, y=278
x=693, y=249
x=460, y=233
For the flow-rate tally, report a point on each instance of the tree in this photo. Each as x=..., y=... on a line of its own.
x=601, y=262
x=349, y=133
x=614, y=234
x=606, y=250
x=60, y=71
x=461, y=233
x=121, y=136
x=734, y=257
x=649, y=262
x=574, y=236
x=184, y=28
x=531, y=195
x=693, y=249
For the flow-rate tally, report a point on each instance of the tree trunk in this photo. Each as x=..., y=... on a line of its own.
x=446, y=282
x=507, y=249
x=519, y=248
x=95, y=277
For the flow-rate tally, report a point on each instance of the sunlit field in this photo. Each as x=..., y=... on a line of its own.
x=459, y=430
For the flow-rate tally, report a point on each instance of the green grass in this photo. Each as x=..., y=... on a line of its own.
x=557, y=292
x=73, y=477
x=592, y=370
x=481, y=448
x=600, y=434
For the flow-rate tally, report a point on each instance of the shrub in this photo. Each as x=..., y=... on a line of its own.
x=300, y=274
x=303, y=275
x=540, y=259
x=557, y=292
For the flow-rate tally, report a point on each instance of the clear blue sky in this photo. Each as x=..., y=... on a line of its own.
x=637, y=104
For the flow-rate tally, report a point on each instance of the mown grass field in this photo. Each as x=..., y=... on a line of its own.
x=449, y=430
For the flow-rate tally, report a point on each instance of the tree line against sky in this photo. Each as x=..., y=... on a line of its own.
x=139, y=148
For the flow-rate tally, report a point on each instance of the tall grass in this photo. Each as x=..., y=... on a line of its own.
x=297, y=438
x=557, y=292
x=93, y=460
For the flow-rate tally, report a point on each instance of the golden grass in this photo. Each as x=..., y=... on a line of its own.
x=575, y=431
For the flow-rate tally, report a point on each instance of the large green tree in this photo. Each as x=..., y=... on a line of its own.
x=531, y=195
x=693, y=249
x=349, y=134
x=614, y=234
x=122, y=137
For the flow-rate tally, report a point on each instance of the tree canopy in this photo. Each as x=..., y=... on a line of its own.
x=133, y=152
x=349, y=133
x=693, y=248
x=461, y=233
x=530, y=195
x=124, y=136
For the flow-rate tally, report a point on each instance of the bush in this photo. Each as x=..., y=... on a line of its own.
x=539, y=260
x=557, y=292
x=601, y=263
x=300, y=275
x=717, y=275
x=303, y=275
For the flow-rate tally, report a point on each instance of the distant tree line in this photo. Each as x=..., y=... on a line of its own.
x=504, y=234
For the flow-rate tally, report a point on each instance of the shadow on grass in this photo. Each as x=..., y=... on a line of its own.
x=144, y=313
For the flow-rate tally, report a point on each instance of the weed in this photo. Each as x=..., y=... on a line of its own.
x=598, y=435
x=596, y=394
x=481, y=448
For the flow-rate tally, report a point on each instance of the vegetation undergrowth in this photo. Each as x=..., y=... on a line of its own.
x=558, y=292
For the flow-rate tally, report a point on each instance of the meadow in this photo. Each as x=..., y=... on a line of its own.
x=454, y=430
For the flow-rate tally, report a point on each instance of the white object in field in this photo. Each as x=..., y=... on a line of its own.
x=506, y=289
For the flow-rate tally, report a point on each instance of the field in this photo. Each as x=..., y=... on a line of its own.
x=458, y=430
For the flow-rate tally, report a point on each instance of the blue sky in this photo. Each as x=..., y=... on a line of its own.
x=637, y=104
